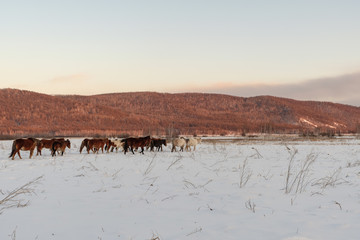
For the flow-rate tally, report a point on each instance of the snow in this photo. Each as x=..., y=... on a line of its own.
x=308, y=122
x=189, y=195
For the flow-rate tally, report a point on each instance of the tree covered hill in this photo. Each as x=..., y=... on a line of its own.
x=26, y=113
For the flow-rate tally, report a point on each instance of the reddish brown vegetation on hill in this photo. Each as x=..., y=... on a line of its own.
x=28, y=113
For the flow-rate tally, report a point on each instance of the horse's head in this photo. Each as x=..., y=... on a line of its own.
x=164, y=142
x=68, y=143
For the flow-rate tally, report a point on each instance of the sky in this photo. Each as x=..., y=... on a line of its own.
x=307, y=50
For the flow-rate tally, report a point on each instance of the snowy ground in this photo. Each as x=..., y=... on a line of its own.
x=190, y=195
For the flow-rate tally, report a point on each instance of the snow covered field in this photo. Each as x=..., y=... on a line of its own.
x=223, y=190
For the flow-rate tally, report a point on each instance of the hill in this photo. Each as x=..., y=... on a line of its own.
x=26, y=113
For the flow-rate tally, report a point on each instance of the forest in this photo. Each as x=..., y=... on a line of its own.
x=26, y=113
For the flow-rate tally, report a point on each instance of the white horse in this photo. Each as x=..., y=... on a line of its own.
x=192, y=142
x=118, y=144
x=178, y=142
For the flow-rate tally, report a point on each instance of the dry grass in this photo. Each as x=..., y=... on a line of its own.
x=330, y=181
x=189, y=184
x=245, y=173
x=354, y=164
x=12, y=199
x=197, y=230
x=150, y=166
x=175, y=161
x=13, y=234
x=155, y=237
x=250, y=205
x=297, y=179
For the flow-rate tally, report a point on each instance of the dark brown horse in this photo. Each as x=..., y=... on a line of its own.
x=157, y=143
x=84, y=143
x=134, y=143
x=59, y=146
x=109, y=144
x=47, y=143
x=24, y=144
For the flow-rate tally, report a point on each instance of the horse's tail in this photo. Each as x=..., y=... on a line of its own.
x=53, y=149
x=82, y=145
x=107, y=145
x=88, y=146
x=13, y=148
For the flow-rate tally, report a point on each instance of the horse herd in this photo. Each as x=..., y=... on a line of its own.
x=58, y=145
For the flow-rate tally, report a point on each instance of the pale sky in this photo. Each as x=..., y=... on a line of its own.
x=90, y=47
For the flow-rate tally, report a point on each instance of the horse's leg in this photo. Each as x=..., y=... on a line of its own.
x=14, y=153
x=18, y=152
x=125, y=148
x=39, y=150
x=31, y=152
x=56, y=150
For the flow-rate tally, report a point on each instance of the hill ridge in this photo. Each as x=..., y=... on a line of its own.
x=26, y=113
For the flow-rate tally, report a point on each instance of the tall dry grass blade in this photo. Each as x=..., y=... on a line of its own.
x=11, y=199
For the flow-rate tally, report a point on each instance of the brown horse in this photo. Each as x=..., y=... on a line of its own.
x=84, y=143
x=157, y=142
x=96, y=144
x=59, y=145
x=109, y=144
x=134, y=143
x=46, y=143
x=24, y=144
